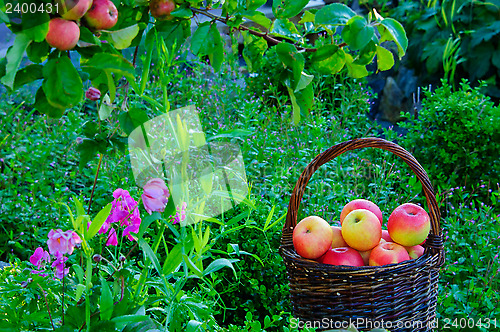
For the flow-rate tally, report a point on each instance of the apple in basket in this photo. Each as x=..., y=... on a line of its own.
x=361, y=230
x=360, y=204
x=338, y=240
x=388, y=253
x=408, y=225
x=312, y=237
x=415, y=251
x=342, y=256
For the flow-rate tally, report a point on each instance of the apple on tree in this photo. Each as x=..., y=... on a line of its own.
x=408, y=225
x=360, y=204
x=388, y=253
x=312, y=237
x=73, y=9
x=101, y=15
x=342, y=256
x=161, y=9
x=62, y=34
x=361, y=230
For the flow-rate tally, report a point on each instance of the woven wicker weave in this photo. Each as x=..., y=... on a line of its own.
x=401, y=296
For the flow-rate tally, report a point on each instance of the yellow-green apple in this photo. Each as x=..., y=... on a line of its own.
x=161, y=9
x=386, y=236
x=360, y=204
x=415, y=251
x=338, y=240
x=342, y=256
x=408, y=225
x=361, y=230
x=388, y=253
x=366, y=254
x=312, y=237
x=101, y=15
x=73, y=9
x=62, y=34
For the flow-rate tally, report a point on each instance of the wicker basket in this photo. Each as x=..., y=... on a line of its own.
x=399, y=297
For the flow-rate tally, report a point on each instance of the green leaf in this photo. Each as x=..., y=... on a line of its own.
x=42, y=105
x=324, y=52
x=293, y=60
x=62, y=85
x=88, y=150
x=105, y=108
x=288, y=8
x=194, y=325
x=285, y=28
x=174, y=259
x=334, y=14
x=257, y=17
x=366, y=55
x=199, y=43
x=99, y=219
x=182, y=12
x=79, y=291
x=28, y=74
x=112, y=63
x=385, y=59
x=192, y=266
x=123, y=38
x=14, y=57
x=304, y=81
x=357, y=33
x=333, y=64
x=38, y=52
x=149, y=45
x=132, y=119
x=308, y=17
x=253, y=51
x=126, y=319
x=218, y=264
x=149, y=254
x=390, y=29
x=269, y=217
x=295, y=106
x=106, y=300
x=355, y=71
x=217, y=56
x=305, y=99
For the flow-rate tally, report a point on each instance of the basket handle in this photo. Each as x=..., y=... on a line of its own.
x=435, y=239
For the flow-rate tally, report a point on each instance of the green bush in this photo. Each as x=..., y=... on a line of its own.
x=456, y=136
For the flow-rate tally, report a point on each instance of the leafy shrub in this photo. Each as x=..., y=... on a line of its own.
x=454, y=35
x=456, y=136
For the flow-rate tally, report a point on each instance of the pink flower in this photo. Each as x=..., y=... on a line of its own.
x=59, y=265
x=112, y=239
x=93, y=94
x=39, y=258
x=61, y=243
x=181, y=214
x=155, y=196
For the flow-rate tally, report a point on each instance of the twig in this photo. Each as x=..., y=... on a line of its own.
x=271, y=40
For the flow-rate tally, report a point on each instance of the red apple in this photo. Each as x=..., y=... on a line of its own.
x=63, y=34
x=366, y=254
x=386, y=236
x=73, y=9
x=360, y=204
x=409, y=225
x=342, y=256
x=415, y=251
x=338, y=240
x=101, y=15
x=161, y=9
x=388, y=253
x=312, y=237
x=361, y=230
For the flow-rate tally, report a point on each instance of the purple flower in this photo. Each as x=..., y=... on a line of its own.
x=39, y=258
x=155, y=196
x=59, y=265
x=181, y=214
x=125, y=211
x=112, y=239
x=61, y=243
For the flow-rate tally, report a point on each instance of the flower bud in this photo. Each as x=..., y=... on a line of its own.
x=122, y=258
x=93, y=94
x=97, y=258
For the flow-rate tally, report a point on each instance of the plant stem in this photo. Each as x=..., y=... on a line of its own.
x=62, y=303
x=47, y=304
x=87, y=292
x=95, y=182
